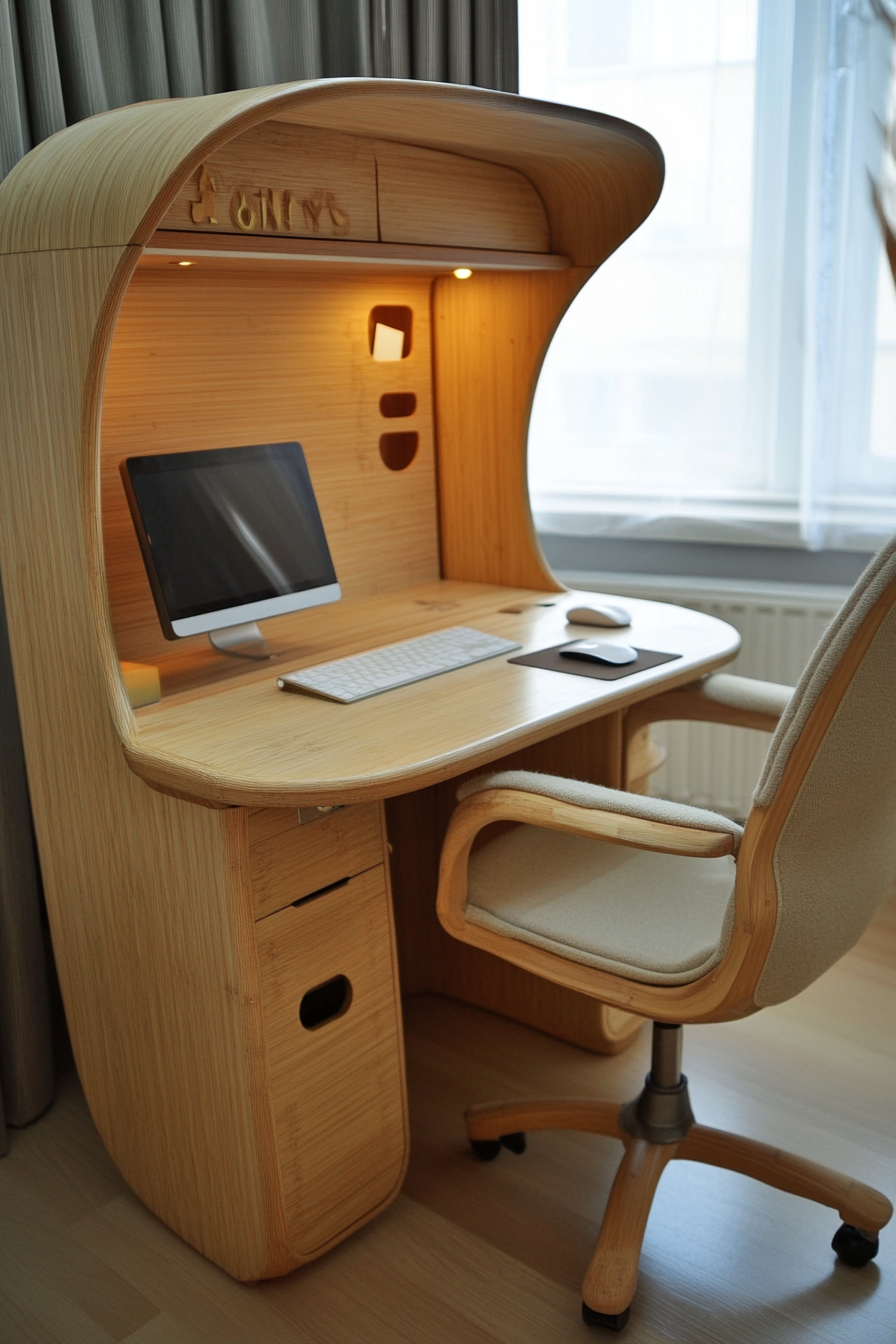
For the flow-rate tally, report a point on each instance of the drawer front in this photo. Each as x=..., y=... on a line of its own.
x=288, y=860
x=337, y=1090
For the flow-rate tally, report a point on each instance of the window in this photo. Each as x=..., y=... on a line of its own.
x=722, y=377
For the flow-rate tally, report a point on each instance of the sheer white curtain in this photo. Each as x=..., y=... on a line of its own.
x=725, y=376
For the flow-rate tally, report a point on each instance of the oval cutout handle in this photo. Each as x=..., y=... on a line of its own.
x=325, y=1002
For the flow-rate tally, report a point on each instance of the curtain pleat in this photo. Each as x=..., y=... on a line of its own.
x=61, y=60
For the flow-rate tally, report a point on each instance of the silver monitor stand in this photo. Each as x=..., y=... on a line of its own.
x=240, y=641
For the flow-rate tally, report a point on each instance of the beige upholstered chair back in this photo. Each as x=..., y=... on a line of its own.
x=835, y=855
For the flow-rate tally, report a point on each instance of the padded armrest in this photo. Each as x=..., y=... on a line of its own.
x=742, y=702
x=662, y=817
x=745, y=693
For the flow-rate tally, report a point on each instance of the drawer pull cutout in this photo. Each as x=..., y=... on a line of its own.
x=322, y=891
x=325, y=1002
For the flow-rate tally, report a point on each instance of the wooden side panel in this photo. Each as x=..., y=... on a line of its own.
x=201, y=360
x=148, y=897
x=337, y=1091
x=490, y=336
x=289, y=860
x=282, y=180
x=429, y=197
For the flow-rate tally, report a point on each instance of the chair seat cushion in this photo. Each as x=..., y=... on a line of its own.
x=656, y=918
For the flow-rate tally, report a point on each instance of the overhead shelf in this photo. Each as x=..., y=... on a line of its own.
x=168, y=246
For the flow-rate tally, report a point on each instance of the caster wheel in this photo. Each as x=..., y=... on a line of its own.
x=514, y=1143
x=852, y=1248
x=604, y=1319
x=486, y=1149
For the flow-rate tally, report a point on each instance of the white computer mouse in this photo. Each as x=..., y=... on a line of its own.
x=605, y=615
x=593, y=651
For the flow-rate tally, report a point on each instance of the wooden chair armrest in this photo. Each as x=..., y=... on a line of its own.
x=741, y=702
x=510, y=804
x=621, y=828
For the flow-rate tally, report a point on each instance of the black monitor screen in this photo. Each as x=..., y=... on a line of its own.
x=227, y=527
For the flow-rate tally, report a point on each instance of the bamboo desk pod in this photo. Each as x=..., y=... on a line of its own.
x=175, y=840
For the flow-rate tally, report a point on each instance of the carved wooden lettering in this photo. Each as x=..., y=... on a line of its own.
x=337, y=215
x=241, y=212
x=204, y=208
x=311, y=208
x=274, y=214
x=270, y=209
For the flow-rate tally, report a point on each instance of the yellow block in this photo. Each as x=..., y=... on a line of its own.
x=141, y=681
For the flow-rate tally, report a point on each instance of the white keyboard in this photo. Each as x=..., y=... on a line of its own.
x=364, y=674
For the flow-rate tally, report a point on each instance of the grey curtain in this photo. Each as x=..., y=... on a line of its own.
x=61, y=60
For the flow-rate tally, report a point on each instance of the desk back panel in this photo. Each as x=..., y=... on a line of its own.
x=203, y=359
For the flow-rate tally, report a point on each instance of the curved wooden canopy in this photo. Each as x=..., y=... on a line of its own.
x=109, y=180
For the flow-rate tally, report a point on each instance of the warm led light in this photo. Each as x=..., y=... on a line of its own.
x=463, y=273
x=185, y=263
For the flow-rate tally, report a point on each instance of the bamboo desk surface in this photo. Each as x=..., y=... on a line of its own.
x=240, y=740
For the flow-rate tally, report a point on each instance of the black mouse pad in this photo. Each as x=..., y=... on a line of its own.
x=551, y=660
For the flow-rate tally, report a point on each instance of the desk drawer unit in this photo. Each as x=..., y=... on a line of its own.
x=331, y=1008
x=290, y=860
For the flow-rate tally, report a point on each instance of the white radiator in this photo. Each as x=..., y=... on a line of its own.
x=710, y=765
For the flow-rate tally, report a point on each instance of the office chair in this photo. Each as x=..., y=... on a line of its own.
x=683, y=916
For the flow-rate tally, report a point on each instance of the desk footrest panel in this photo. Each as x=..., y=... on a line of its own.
x=337, y=1089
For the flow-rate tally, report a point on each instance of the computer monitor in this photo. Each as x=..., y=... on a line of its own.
x=229, y=536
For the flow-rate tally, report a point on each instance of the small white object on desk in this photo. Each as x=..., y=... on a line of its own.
x=592, y=651
x=605, y=614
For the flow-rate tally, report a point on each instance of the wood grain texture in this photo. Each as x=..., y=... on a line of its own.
x=337, y=1092
x=242, y=741
x=151, y=898
x=257, y=358
x=232, y=250
x=856, y=1203
x=330, y=180
x=110, y=179
x=425, y=196
x=153, y=940
x=532, y=809
x=490, y=334
x=597, y=176
x=612, y=1273
x=489, y=1120
x=643, y=757
x=289, y=860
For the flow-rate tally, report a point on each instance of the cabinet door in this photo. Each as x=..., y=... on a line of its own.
x=337, y=1087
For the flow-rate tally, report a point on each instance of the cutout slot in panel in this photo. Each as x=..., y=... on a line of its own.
x=399, y=449
x=397, y=404
x=325, y=1002
x=390, y=319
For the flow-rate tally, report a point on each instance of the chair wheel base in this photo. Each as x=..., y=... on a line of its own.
x=488, y=1149
x=514, y=1143
x=607, y=1320
x=852, y=1248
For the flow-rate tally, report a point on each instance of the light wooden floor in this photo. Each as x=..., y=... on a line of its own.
x=472, y=1254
